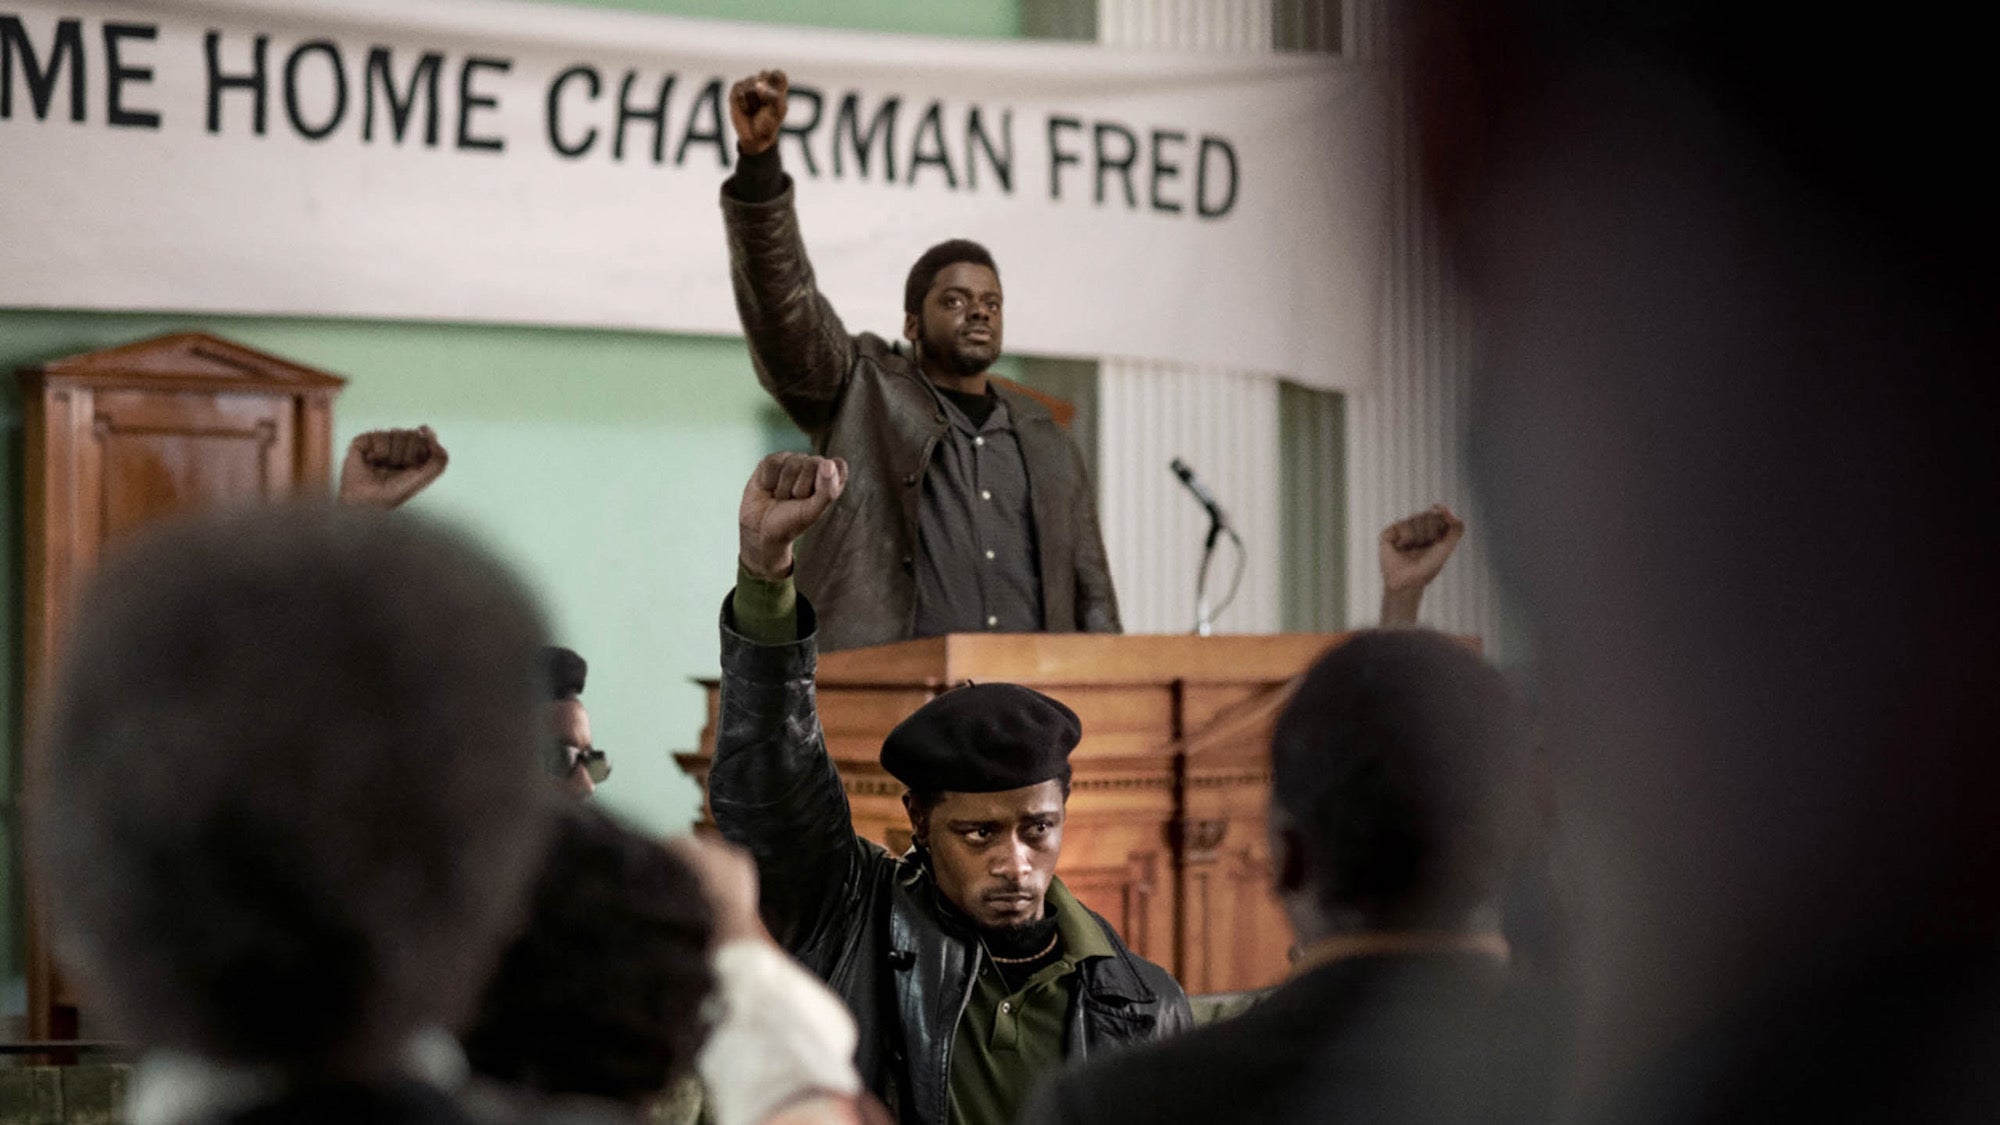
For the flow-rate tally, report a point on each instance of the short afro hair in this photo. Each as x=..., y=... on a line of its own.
x=1403, y=764
x=604, y=992
x=567, y=671
x=292, y=812
x=924, y=273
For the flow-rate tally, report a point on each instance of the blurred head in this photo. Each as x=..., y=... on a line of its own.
x=952, y=307
x=1732, y=422
x=291, y=805
x=577, y=761
x=1400, y=788
x=603, y=992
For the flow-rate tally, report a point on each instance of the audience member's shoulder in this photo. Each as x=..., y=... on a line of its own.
x=1223, y=1071
x=394, y=1103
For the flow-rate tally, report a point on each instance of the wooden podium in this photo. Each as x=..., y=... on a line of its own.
x=1166, y=828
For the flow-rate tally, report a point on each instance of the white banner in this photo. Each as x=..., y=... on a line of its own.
x=481, y=160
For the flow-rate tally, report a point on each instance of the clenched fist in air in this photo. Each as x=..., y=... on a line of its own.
x=1412, y=551
x=385, y=468
x=757, y=108
x=786, y=494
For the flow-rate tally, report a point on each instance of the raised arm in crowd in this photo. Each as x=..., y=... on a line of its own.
x=970, y=968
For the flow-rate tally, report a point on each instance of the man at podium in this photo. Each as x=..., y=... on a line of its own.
x=971, y=970
x=970, y=509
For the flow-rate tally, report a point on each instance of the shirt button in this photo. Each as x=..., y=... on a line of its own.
x=985, y=494
x=1006, y=1006
x=979, y=441
x=992, y=622
x=989, y=555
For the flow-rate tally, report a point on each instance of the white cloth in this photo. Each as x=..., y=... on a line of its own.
x=782, y=1036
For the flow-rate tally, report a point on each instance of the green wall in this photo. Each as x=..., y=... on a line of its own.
x=606, y=466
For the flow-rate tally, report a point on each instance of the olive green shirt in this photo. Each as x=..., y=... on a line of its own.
x=1006, y=1040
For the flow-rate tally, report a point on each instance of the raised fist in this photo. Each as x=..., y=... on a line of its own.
x=1414, y=549
x=786, y=494
x=384, y=468
x=757, y=108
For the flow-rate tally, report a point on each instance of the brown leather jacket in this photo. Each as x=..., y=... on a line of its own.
x=857, y=397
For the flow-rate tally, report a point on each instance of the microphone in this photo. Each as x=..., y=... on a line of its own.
x=1193, y=484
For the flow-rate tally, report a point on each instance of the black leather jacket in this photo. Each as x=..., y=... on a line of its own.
x=867, y=922
x=859, y=398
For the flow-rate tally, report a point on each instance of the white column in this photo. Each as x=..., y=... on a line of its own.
x=1223, y=423
x=1405, y=436
x=1206, y=25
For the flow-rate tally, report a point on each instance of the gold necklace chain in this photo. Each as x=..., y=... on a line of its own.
x=1046, y=950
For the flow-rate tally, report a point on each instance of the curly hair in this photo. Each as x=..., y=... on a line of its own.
x=567, y=671
x=291, y=809
x=1403, y=761
x=604, y=993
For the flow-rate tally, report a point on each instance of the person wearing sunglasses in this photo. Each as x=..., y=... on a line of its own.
x=581, y=766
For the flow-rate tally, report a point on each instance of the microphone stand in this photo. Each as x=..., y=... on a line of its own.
x=1204, y=618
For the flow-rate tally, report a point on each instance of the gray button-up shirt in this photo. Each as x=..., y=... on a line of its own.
x=977, y=568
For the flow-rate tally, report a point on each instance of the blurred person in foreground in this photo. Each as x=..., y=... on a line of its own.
x=1733, y=273
x=1411, y=553
x=602, y=995
x=640, y=959
x=1400, y=791
x=969, y=509
x=292, y=809
x=969, y=966
x=782, y=1049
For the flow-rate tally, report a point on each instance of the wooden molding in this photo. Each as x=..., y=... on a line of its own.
x=183, y=361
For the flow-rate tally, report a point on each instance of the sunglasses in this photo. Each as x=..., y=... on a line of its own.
x=591, y=759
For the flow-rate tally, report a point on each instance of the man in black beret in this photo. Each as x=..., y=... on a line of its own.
x=969, y=966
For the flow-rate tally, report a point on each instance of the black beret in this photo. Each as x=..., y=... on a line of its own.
x=566, y=671
x=982, y=738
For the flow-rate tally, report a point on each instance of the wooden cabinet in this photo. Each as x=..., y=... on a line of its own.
x=1166, y=829
x=119, y=438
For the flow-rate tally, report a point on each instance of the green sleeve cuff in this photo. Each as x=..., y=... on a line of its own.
x=766, y=610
